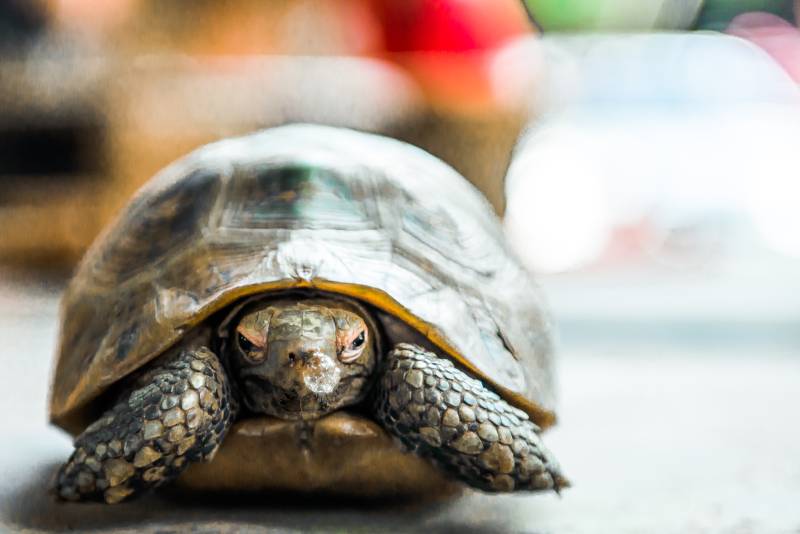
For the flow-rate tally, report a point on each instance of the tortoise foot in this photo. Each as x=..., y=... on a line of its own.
x=176, y=413
x=441, y=413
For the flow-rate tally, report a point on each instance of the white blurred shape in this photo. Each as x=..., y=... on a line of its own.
x=640, y=71
x=691, y=135
x=774, y=186
x=226, y=92
x=557, y=214
x=778, y=220
x=515, y=73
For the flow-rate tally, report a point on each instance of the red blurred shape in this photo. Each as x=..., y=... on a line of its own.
x=774, y=35
x=447, y=44
x=449, y=25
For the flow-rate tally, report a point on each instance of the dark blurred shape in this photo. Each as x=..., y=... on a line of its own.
x=70, y=149
x=52, y=139
x=717, y=14
x=108, y=93
x=21, y=21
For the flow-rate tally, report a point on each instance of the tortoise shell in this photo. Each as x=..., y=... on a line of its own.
x=303, y=206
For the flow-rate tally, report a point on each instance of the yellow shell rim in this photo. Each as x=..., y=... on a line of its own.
x=66, y=417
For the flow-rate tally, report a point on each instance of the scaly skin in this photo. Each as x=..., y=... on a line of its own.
x=441, y=413
x=179, y=410
x=177, y=413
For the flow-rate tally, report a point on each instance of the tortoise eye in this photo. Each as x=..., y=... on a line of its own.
x=357, y=342
x=355, y=348
x=250, y=350
x=245, y=344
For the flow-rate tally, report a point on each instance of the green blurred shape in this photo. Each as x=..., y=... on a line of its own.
x=717, y=14
x=563, y=14
x=613, y=15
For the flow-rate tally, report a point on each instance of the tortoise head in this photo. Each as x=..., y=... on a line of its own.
x=303, y=359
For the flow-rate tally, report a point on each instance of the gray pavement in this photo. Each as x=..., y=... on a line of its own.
x=656, y=436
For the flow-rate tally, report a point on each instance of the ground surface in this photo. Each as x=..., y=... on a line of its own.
x=657, y=435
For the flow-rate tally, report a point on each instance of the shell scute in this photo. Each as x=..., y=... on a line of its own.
x=294, y=195
x=154, y=226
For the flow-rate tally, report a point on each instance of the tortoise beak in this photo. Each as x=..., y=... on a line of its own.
x=320, y=373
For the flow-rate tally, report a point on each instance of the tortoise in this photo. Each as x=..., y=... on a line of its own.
x=300, y=299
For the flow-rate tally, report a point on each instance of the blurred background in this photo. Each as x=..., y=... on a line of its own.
x=643, y=155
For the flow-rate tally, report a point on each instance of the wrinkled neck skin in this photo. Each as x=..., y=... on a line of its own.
x=301, y=358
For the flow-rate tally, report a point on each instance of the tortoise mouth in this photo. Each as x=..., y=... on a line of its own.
x=263, y=397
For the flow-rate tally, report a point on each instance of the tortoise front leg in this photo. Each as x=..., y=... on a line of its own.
x=177, y=412
x=442, y=414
